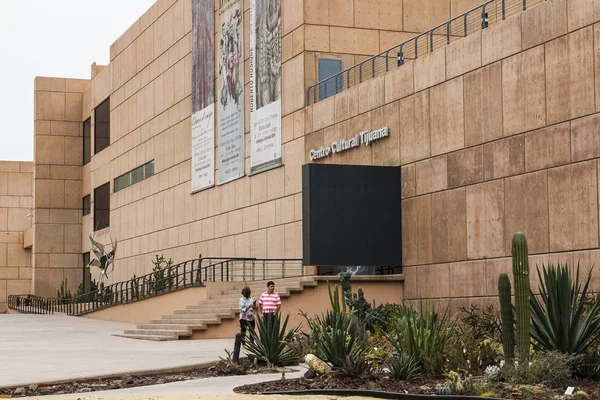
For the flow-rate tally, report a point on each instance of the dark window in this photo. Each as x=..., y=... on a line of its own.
x=86, y=205
x=134, y=176
x=102, y=126
x=327, y=68
x=102, y=207
x=87, y=140
x=87, y=276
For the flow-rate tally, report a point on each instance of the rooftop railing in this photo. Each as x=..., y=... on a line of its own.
x=474, y=20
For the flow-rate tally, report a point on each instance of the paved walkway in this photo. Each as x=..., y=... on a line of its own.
x=45, y=348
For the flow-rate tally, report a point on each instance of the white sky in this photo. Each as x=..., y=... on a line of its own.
x=58, y=38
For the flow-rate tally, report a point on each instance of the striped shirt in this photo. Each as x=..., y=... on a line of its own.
x=269, y=302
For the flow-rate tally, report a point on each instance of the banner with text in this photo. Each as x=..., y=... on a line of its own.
x=265, y=85
x=203, y=94
x=231, y=92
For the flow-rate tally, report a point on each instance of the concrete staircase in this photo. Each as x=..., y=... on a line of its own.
x=196, y=317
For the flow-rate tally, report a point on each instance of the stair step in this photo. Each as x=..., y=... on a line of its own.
x=168, y=326
x=195, y=324
x=215, y=309
x=161, y=332
x=154, y=338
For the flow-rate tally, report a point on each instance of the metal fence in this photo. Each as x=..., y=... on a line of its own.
x=474, y=20
x=176, y=277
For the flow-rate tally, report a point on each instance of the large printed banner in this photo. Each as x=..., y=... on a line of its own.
x=203, y=96
x=265, y=85
x=231, y=92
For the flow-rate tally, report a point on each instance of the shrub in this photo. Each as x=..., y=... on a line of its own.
x=559, y=320
x=552, y=369
x=269, y=342
x=355, y=365
x=402, y=367
x=303, y=344
x=458, y=383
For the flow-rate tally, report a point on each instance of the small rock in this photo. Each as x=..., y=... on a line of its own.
x=211, y=368
x=160, y=381
x=33, y=388
x=310, y=374
x=84, y=390
x=19, y=391
x=126, y=380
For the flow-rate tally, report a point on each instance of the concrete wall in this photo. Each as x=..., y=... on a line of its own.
x=15, y=205
x=58, y=151
x=496, y=133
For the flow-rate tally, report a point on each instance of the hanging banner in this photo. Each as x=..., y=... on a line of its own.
x=203, y=94
x=231, y=92
x=265, y=85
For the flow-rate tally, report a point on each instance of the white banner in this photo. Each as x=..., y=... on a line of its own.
x=231, y=92
x=203, y=96
x=203, y=149
x=265, y=85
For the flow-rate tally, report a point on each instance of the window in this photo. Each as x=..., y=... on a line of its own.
x=102, y=126
x=87, y=276
x=85, y=207
x=102, y=207
x=327, y=68
x=87, y=140
x=137, y=175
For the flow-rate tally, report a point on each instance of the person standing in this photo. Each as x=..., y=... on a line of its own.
x=246, y=306
x=269, y=301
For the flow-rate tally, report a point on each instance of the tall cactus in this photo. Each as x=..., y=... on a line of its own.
x=521, y=277
x=508, y=321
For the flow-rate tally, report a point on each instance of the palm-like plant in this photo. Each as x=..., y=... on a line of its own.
x=560, y=321
x=269, y=342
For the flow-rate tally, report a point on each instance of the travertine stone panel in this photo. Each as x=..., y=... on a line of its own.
x=293, y=85
x=585, y=138
x=48, y=238
x=459, y=7
x=399, y=82
x=409, y=180
x=346, y=104
x=501, y=40
x=275, y=242
x=386, y=152
x=371, y=94
x=485, y=220
x=316, y=38
x=49, y=150
x=19, y=184
x=538, y=261
x=504, y=157
x=449, y=225
x=315, y=12
x=447, y=123
x=47, y=84
x=415, y=141
x=582, y=13
x=420, y=16
x=465, y=167
x=431, y=175
x=433, y=281
x=466, y=279
x=18, y=221
x=483, y=102
x=323, y=113
x=547, y=147
x=523, y=91
x=573, y=206
x=416, y=230
x=18, y=256
x=409, y=289
x=587, y=260
x=341, y=12
x=526, y=202
x=544, y=22
x=293, y=240
x=493, y=269
x=570, y=76
x=597, y=64
x=354, y=41
x=292, y=15
x=463, y=55
x=430, y=69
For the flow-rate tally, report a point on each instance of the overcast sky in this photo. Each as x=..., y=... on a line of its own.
x=59, y=38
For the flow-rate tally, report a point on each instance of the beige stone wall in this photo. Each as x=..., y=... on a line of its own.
x=496, y=133
x=15, y=204
x=149, y=84
x=57, y=175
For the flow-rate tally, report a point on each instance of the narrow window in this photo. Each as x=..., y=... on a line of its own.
x=85, y=208
x=87, y=140
x=134, y=176
x=328, y=68
x=102, y=207
x=102, y=126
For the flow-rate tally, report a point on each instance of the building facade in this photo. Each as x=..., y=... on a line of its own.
x=494, y=133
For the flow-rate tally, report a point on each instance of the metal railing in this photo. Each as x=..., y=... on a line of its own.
x=474, y=20
x=169, y=279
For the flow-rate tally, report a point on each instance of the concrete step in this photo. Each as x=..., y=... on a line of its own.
x=168, y=326
x=213, y=309
x=160, y=332
x=195, y=324
x=154, y=338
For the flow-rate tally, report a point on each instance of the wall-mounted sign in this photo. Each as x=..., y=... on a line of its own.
x=364, y=138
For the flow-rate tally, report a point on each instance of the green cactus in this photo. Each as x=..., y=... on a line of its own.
x=521, y=278
x=507, y=316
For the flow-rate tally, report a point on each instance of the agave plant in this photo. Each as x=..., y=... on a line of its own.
x=560, y=321
x=269, y=342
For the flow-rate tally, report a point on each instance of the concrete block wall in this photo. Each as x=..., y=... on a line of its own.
x=16, y=203
x=496, y=133
x=57, y=175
